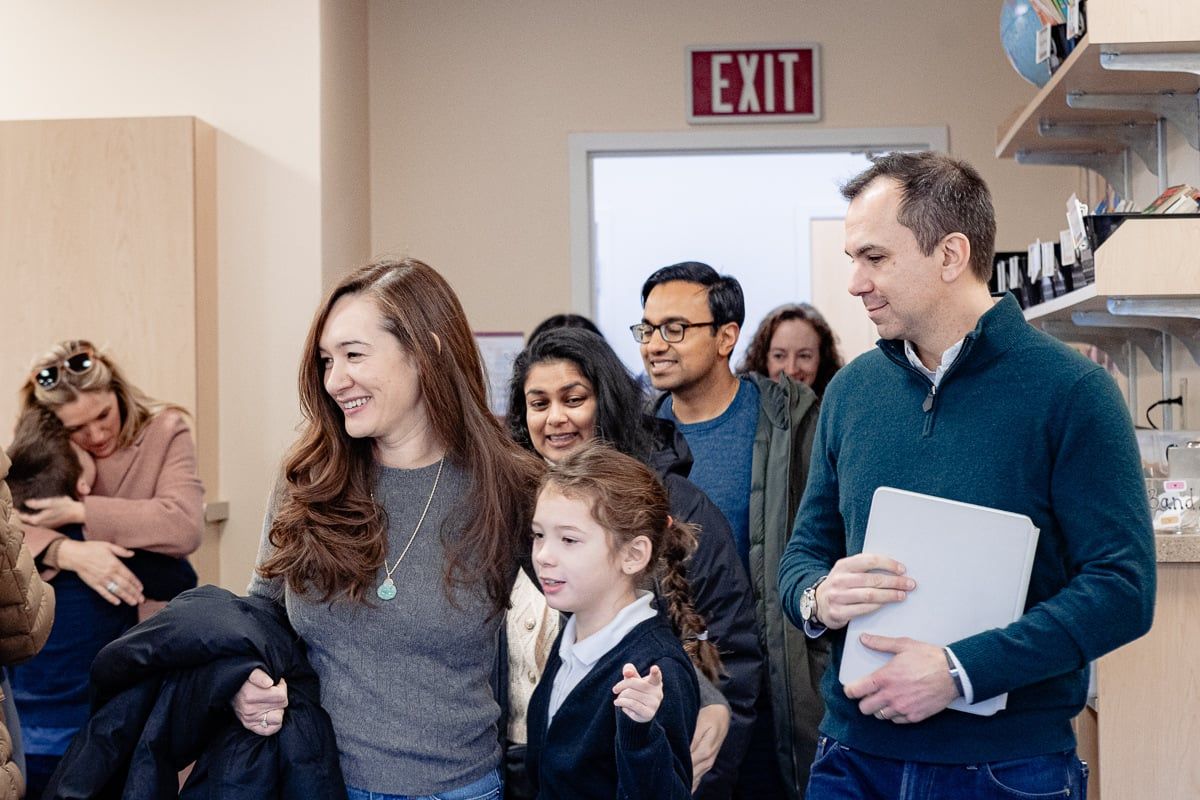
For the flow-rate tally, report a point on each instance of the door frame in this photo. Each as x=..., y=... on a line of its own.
x=584, y=147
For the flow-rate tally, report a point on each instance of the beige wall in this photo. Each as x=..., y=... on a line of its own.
x=471, y=104
x=252, y=71
x=448, y=141
x=345, y=155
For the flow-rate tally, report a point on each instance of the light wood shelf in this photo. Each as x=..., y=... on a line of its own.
x=1060, y=307
x=1151, y=257
x=1143, y=20
x=1081, y=72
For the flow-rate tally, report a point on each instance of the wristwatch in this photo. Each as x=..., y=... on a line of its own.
x=808, y=603
x=955, y=675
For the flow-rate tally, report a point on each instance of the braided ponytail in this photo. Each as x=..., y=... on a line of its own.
x=679, y=542
x=628, y=500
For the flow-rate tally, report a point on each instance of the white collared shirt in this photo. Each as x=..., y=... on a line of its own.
x=578, y=658
x=935, y=376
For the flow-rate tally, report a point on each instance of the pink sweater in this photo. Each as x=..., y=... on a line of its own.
x=146, y=495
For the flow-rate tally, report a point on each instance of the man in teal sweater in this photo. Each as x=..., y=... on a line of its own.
x=965, y=400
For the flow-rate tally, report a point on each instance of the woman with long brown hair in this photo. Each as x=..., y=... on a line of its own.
x=394, y=538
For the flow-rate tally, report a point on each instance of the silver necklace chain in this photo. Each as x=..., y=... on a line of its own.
x=387, y=586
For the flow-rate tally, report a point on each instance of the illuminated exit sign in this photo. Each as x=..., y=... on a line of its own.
x=773, y=83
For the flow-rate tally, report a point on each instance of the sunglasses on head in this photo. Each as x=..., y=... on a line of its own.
x=76, y=363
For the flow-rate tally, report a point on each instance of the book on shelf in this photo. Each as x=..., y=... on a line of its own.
x=1050, y=12
x=1182, y=198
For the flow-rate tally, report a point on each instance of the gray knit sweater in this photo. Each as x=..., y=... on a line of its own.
x=406, y=681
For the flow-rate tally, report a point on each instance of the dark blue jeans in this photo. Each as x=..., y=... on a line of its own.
x=840, y=773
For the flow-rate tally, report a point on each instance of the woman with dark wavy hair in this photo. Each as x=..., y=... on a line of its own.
x=569, y=388
x=618, y=403
x=394, y=538
x=555, y=321
x=795, y=340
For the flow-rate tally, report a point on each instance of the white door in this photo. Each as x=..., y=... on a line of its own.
x=738, y=201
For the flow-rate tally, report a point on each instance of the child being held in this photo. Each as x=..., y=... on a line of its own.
x=614, y=713
x=51, y=691
x=46, y=463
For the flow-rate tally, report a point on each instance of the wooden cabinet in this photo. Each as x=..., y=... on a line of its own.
x=108, y=233
x=1147, y=731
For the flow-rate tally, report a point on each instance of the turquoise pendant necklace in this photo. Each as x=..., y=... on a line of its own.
x=387, y=589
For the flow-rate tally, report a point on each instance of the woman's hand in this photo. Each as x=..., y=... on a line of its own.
x=712, y=725
x=259, y=704
x=98, y=564
x=639, y=697
x=53, y=512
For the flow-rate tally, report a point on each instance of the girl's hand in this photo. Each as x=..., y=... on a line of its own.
x=259, y=704
x=53, y=512
x=639, y=697
x=98, y=564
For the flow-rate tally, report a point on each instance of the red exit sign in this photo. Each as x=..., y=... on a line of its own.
x=772, y=83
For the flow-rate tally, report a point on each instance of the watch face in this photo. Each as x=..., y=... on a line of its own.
x=807, y=601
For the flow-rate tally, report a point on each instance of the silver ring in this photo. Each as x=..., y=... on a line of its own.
x=879, y=715
x=263, y=722
x=112, y=587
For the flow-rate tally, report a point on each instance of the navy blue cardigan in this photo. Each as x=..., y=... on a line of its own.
x=593, y=749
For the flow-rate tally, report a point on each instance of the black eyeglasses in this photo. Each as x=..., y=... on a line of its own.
x=76, y=363
x=670, y=331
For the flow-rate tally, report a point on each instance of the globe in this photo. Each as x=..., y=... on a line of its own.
x=1019, y=26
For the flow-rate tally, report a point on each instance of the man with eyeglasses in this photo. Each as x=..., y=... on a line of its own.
x=750, y=440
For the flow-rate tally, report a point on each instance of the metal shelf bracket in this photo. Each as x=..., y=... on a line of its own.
x=1178, y=307
x=1137, y=136
x=1108, y=338
x=1152, y=62
x=1114, y=167
x=1181, y=110
x=1187, y=331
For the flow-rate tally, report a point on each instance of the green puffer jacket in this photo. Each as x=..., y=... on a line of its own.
x=787, y=422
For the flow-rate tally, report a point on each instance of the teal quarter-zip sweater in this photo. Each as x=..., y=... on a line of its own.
x=1022, y=423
